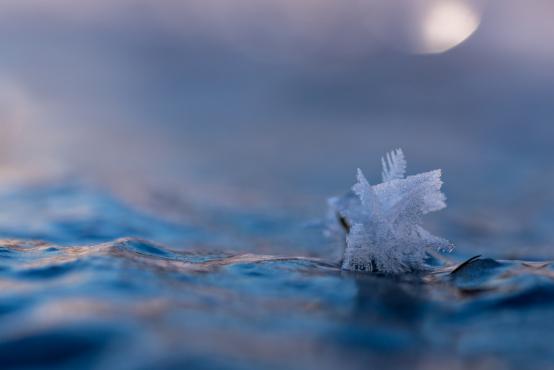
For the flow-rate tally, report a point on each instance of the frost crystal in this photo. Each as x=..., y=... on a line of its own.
x=395, y=166
x=380, y=223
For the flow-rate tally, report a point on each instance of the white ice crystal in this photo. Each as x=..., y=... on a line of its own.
x=395, y=166
x=380, y=224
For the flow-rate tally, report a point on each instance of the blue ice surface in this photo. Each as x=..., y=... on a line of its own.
x=113, y=287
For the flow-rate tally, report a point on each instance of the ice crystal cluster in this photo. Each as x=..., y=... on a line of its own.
x=379, y=225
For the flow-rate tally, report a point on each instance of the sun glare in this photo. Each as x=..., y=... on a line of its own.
x=448, y=24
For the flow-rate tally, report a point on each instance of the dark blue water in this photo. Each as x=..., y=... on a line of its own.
x=111, y=286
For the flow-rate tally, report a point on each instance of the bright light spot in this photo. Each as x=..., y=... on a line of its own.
x=448, y=24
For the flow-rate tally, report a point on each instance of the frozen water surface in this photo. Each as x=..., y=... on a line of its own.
x=176, y=296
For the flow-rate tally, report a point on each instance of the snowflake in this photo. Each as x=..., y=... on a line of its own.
x=380, y=225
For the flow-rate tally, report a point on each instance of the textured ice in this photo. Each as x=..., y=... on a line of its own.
x=379, y=225
x=394, y=167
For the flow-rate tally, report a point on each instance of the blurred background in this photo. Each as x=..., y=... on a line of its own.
x=272, y=105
